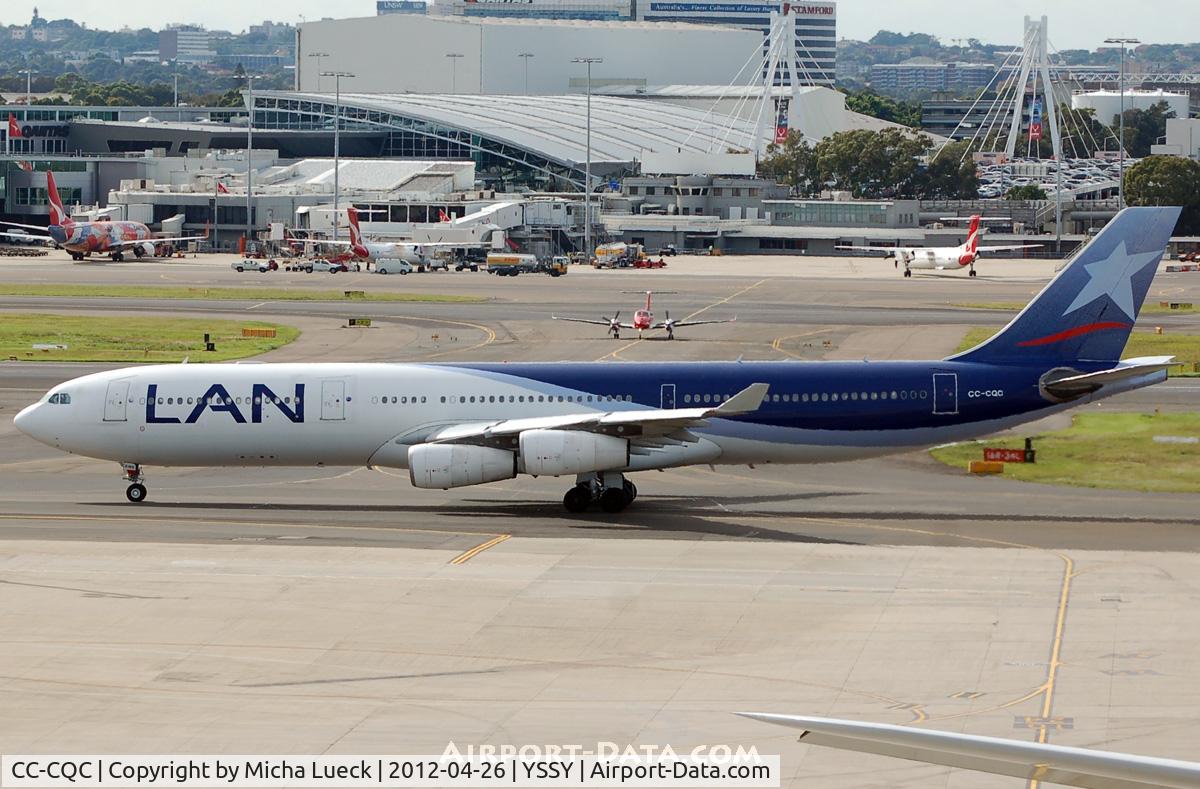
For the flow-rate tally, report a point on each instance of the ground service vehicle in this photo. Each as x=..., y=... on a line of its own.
x=511, y=264
x=393, y=266
x=246, y=264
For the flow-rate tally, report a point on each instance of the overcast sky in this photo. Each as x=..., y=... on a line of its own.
x=1073, y=23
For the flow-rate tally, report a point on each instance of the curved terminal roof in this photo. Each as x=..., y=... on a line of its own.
x=555, y=127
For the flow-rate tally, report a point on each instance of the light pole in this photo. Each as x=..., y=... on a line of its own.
x=1121, y=141
x=454, y=56
x=249, y=148
x=337, y=126
x=525, y=56
x=318, y=56
x=28, y=84
x=587, y=166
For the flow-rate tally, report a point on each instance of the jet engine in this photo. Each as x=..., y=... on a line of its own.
x=143, y=249
x=558, y=452
x=457, y=465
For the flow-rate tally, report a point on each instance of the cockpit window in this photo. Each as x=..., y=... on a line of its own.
x=61, y=398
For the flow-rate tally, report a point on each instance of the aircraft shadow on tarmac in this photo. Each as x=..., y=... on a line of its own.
x=651, y=516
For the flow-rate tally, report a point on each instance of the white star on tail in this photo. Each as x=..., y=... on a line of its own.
x=1113, y=277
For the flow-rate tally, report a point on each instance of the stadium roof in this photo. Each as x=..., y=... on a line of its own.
x=549, y=127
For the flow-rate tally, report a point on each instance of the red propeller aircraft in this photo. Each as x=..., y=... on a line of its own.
x=643, y=319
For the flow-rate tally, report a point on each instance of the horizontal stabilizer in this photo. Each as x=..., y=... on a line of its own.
x=1035, y=761
x=1085, y=383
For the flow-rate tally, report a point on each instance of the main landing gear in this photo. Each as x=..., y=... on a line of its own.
x=608, y=489
x=136, y=492
x=116, y=257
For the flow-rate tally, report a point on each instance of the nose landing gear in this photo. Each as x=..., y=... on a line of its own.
x=136, y=492
x=609, y=489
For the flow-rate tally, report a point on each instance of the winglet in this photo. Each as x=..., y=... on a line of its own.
x=745, y=401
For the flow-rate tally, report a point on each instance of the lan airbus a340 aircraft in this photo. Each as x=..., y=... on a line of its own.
x=452, y=425
x=82, y=239
x=940, y=258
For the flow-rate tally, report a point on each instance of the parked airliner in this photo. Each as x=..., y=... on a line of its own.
x=82, y=239
x=374, y=251
x=453, y=425
x=940, y=258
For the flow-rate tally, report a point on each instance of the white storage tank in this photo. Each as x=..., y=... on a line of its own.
x=1107, y=103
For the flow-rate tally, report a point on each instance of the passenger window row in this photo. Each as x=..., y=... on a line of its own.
x=537, y=399
x=220, y=401
x=820, y=397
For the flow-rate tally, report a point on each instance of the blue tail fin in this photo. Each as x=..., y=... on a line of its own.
x=1086, y=313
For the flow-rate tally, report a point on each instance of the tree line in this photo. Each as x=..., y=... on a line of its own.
x=872, y=165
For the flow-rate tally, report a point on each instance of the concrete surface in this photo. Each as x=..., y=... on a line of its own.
x=342, y=611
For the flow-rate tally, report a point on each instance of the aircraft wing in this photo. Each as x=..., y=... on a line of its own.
x=1049, y=763
x=27, y=227
x=642, y=422
x=23, y=235
x=677, y=324
x=869, y=249
x=594, y=323
x=321, y=241
x=1013, y=246
x=160, y=240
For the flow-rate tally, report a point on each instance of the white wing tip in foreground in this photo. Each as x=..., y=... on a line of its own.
x=1050, y=763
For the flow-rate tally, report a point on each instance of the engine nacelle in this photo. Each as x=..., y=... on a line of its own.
x=558, y=452
x=458, y=465
x=144, y=249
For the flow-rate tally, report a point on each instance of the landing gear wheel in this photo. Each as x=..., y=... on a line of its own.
x=613, y=500
x=136, y=493
x=908, y=272
x=76, y=256
x=630, y=490
x=118, y=257
x=578, y=498
x=972, y=273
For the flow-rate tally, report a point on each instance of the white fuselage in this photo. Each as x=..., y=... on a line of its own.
x=370, y=414
x=936, y=258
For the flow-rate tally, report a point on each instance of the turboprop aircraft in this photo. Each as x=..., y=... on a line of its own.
x=461, y=424
x=940, y=258
x=643, y=319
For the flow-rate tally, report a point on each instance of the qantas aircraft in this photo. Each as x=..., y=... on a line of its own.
x=416, y=254
x=1033, y=761
x=643, y=319
x=453, y=425
x=82, y=239
x=940, y=258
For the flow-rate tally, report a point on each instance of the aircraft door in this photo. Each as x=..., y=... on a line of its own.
x=945, y=393
x=667, y=396
x=333, y=401
x=115, y=401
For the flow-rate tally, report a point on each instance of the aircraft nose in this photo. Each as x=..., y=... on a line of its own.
x=30, y=422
